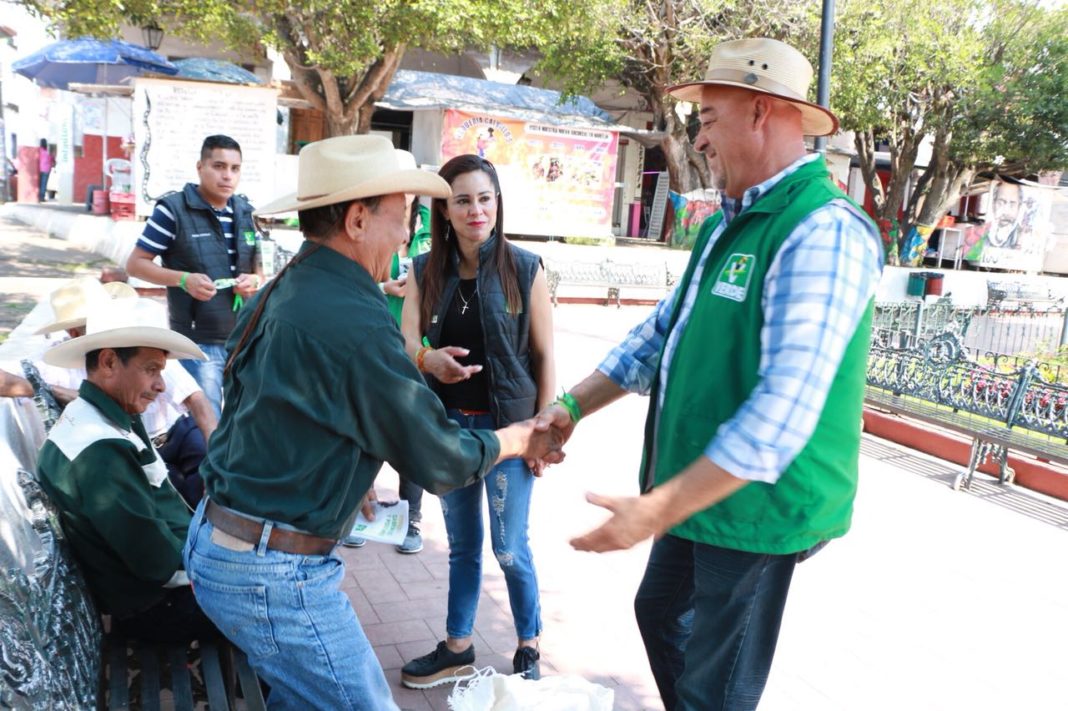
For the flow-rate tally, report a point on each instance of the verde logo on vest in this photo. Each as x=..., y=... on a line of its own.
x=250, y=238
x=733, y=280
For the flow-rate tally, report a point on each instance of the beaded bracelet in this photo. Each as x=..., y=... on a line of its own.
x=419, y=356
x=569, y=403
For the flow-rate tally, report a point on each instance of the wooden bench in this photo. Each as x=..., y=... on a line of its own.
x=54, y=650
x=937, y=384
x=610, y=275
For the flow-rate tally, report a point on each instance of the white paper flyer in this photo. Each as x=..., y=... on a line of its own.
x=390, y=524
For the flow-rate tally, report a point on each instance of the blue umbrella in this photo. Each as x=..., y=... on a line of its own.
x=90, y=61
x=207, y=69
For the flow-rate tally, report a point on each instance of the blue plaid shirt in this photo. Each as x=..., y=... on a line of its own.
x=815, y=294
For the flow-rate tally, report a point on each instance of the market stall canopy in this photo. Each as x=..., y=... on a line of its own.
x=416, y=91
x=206, y=69
x=90, y=61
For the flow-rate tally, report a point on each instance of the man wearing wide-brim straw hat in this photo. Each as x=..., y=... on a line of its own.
x=125, y=522
x=179, y=421
x=317, y=383
x=755, y=367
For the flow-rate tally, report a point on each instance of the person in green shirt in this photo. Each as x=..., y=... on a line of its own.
x=125, y=521
x=319, y=393
x=394, y=289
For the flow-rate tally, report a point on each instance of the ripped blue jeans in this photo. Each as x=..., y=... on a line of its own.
x=508, y=488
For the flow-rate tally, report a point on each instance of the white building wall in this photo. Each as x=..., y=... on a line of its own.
x=426, y=136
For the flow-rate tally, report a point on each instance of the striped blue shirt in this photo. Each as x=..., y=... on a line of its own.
x=160, y=229
x=815, y=294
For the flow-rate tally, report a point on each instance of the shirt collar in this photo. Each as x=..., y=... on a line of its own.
x=196, y=200
x=103, y=402
x=333, y=261
x=732, y=206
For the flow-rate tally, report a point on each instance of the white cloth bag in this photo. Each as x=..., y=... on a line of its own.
x=490, y=691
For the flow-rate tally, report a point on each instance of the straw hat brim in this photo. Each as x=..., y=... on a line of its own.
x=815, y=119
x=115, y=289
x=71, y=354
x=60, y=326
x=416, y=182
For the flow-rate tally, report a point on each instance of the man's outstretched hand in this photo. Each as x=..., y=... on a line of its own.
x=634, y=518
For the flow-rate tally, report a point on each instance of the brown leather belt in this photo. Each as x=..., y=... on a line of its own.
x=280, y=539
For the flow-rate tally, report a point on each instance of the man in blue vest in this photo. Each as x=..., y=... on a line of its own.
x=755, y=371
x=207, y=242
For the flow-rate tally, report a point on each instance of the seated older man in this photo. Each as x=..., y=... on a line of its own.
x=179, y=421
x=125, y=521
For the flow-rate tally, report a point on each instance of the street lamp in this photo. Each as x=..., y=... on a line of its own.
x=153, y=35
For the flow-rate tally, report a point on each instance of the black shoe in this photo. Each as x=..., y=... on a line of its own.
x=525, y=663
x=442, y=666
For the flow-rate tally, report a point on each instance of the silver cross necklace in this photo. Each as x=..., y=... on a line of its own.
x=466, y=302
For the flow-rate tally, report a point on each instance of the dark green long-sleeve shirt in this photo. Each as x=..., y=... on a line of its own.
x=126, y=533
x=320, y=396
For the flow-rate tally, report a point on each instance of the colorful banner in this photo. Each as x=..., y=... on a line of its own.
x=555, y=180
x=1017, y=230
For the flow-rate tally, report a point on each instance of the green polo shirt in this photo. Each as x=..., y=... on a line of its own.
x=320, y=396
x=126, y=533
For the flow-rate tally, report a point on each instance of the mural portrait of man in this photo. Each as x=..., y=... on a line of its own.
x=1004, y=232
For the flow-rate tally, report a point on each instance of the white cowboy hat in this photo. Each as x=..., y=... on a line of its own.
x=70, y=301
x=351, y=167
x=126, y=323
x=767, y=66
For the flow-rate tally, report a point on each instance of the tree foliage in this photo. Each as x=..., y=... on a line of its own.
x=979, y=82
x=342, y=53
x=649, y=45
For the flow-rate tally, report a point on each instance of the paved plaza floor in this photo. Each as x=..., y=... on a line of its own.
x=935, y=600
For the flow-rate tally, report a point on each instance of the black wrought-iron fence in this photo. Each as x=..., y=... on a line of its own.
x=996, y=333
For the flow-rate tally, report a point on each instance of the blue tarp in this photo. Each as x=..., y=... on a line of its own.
x=215, y=70
x=90, y=61
x=414, y=91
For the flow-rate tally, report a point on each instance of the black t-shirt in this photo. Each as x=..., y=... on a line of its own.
x=463, y=327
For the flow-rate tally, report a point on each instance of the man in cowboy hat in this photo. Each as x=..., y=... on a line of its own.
x=755, y=370
x=317, y=387
x=179, y=421
x=124, y=520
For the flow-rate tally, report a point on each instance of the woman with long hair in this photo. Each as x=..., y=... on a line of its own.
x=477, y=321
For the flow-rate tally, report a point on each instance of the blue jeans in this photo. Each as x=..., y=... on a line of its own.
x=288, y=614
x=709, y=618
x=508, y=487
x=209, y=373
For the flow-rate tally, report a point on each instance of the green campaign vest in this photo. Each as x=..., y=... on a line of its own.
x=714, y=370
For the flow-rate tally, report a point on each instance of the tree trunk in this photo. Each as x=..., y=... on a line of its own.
x=342, y=123
x=687, y=169
x=347, y=103
x=888, y=200
x=940, y=185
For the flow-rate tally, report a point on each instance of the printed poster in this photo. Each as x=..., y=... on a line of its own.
x=556, y=180
x=1016, y=235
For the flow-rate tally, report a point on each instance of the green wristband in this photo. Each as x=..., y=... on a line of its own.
x=181, y=282
x=569, y=403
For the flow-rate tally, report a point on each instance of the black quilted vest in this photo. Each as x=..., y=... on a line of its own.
x=200, y=247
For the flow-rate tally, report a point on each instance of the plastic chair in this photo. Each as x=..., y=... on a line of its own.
x=121, y=173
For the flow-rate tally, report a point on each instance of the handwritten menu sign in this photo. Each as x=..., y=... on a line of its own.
x=172, y=118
